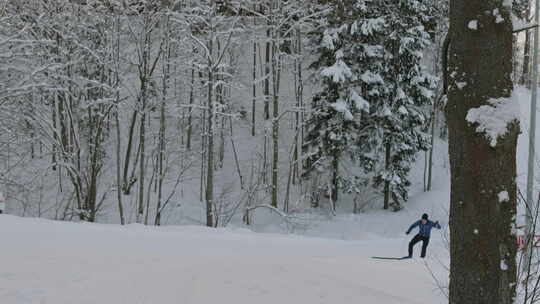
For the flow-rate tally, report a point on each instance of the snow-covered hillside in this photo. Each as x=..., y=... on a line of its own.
x=44, y=261
x=49, y=262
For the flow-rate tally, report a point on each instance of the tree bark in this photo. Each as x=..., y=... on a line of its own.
x=482, y=245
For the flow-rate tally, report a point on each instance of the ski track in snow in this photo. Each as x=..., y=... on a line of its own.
x=45, y=262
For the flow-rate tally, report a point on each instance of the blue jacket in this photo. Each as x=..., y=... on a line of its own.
x=425, y=229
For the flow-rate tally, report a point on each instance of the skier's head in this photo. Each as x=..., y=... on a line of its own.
x=424, y=218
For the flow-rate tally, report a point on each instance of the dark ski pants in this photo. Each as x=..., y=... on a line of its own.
x=417, y=238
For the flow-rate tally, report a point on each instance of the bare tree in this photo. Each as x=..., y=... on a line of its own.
x=211, y=33
x=148, y=55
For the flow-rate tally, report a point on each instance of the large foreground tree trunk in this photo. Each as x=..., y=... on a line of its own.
x=482, y=243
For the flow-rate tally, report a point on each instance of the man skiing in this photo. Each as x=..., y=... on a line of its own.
x=423, y=235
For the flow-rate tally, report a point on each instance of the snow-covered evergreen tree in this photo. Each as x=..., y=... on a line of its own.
x=347, y=69
x=397, y=115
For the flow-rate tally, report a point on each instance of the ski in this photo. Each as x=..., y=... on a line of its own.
x=390, y=258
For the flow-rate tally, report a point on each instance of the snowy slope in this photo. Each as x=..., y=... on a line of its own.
x=57, y=262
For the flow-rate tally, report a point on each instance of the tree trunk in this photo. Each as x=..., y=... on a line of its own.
x=276, y=61
x=387, y=148
x=117, y=121
x=118, y=168
x=525, y=77
x=335, y=175
x=254, y=85
x=126, y=187
x=267, y=77
x=142, y=135
x=163, y=120
x=55, y=135
x=432, y=147
x=190, y=109
x=209, y=193
x=275, y=156
x=482, y=245
x=235, y=154
x=299, y=92
x=204, y=149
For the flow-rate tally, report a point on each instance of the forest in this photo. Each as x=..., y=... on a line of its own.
x=270, y=113
x=131, y=107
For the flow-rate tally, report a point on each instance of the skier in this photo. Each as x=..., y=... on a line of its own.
x=423, y=235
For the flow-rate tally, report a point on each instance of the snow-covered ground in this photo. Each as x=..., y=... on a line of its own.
x=50, y=262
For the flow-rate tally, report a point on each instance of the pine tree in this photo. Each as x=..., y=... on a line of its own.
x=344, y=51
x=396, y=118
